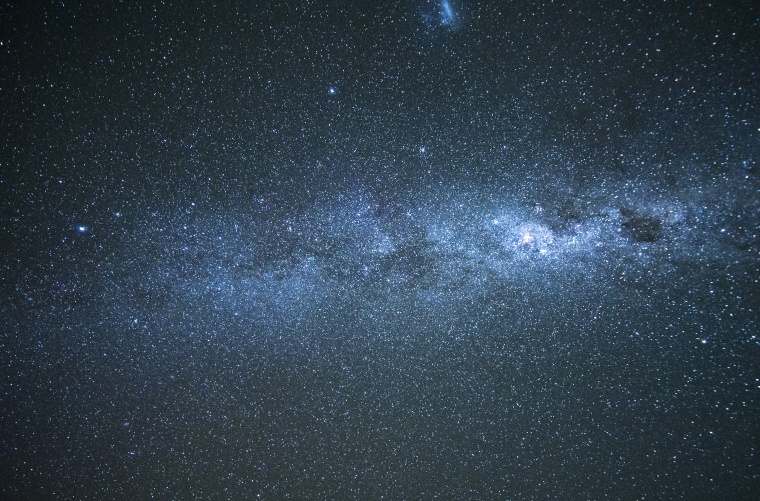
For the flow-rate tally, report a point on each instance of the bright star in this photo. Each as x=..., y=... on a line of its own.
x=526, y=238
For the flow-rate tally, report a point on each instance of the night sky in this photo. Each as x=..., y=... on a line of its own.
x=399, y=249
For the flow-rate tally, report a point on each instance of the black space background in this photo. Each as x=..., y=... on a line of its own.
x=353, y=250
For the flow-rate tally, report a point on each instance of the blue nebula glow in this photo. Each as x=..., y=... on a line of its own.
x=441, y=14
x=446, y=13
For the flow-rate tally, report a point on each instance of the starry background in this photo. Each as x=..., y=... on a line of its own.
x=400, y=249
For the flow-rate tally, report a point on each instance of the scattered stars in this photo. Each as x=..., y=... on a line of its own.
x=301, y=251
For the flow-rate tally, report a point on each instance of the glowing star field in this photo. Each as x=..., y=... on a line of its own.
x=412, y=250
